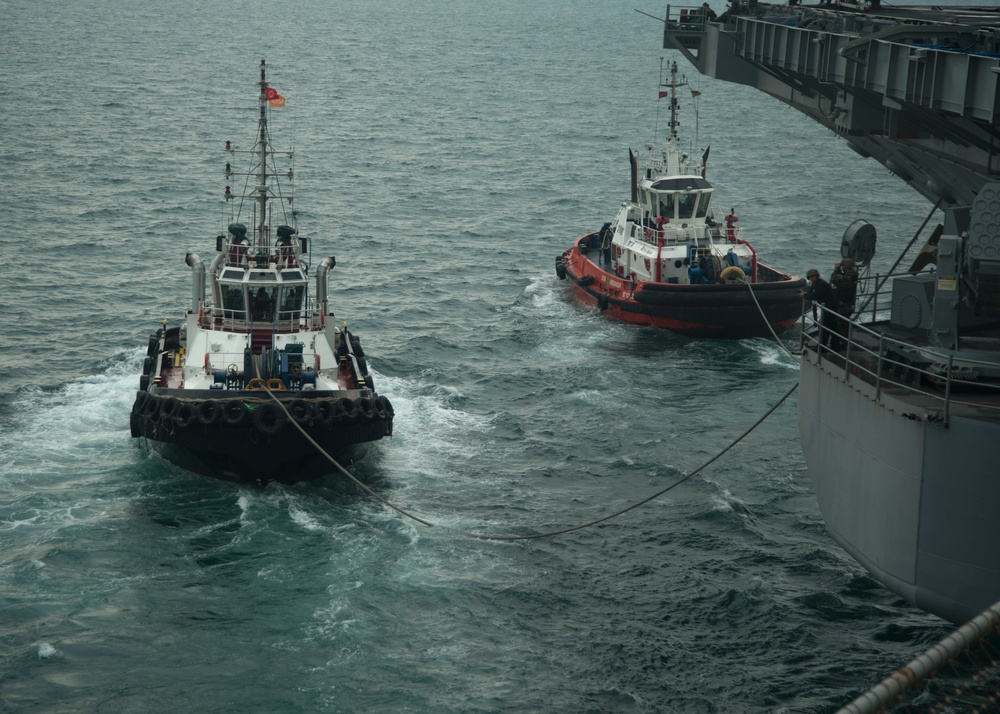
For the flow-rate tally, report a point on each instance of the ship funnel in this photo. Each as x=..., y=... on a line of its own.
x=198, y=291
x=635, y=176
x=322, y=274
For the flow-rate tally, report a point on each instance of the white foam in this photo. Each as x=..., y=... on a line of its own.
x=47, y=651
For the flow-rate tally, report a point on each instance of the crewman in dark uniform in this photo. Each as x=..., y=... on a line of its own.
x=844, y=281
x=821, y=292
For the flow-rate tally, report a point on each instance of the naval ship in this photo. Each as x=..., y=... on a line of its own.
x=897, y=423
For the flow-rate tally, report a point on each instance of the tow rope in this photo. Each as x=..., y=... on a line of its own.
x=549, y=534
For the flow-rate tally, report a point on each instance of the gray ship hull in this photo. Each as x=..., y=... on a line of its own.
x=911, y=500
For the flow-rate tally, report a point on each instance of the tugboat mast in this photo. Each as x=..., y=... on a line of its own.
x=262, y=143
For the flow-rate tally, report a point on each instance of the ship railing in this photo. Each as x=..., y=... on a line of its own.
x=686, y=18
x=219, y=363
x=243, y=320
x=879, y=360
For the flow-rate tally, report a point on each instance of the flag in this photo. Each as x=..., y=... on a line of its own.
x=664, y=94
x=695, y=93
x=271, y=95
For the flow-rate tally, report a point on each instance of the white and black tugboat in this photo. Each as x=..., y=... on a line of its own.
x=258, y=363
x=666, y=261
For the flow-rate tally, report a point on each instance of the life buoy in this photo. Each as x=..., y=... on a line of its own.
x=269, y=419
x=234, y=412
x=733, y=274
x=209, y=412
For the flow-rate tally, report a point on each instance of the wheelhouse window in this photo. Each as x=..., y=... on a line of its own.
x=687, y=202
x=703, y=204
x=262, y=302
x=232, y=301
x=291, y=302
x=666, y=205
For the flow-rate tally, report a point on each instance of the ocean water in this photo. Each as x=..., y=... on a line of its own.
x=446, y=153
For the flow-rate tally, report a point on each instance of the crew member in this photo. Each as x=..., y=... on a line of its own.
x=821, y=292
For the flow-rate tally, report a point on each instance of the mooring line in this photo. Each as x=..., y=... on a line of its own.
x=549, y=534
x=766, y=322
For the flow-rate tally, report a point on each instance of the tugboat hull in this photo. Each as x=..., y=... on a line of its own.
x=252, y=440
x=719, y=310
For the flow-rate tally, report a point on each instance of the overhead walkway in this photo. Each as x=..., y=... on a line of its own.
x=913, y=87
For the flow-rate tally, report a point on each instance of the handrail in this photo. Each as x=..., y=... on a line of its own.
x=875, y=367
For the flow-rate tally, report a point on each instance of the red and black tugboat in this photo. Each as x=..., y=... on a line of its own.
x=258, y=383
x=666, y=261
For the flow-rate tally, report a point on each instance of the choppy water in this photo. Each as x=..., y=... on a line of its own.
x=447, y=152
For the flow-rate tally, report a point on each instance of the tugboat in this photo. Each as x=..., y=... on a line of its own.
x=258, y=384
x=665, y=261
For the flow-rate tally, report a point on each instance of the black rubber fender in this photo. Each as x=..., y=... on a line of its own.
x=302, y=411
x=209, y=412
x=151, y=409
x=269, y=419
x=144, y=382
x=560, y=268
x=585, y=280
x=327, y=411
x=140, y=401
x=147, y=365
x=167, y=408
x=185, y=414
x=154, y=345
x=602, y=303
x=234, y=412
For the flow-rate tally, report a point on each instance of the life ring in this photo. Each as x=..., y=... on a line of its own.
x=301, y=411
x=733, y=274
x=269, y=419
x=234, y=412
x=184, y=415
x=209, y=412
